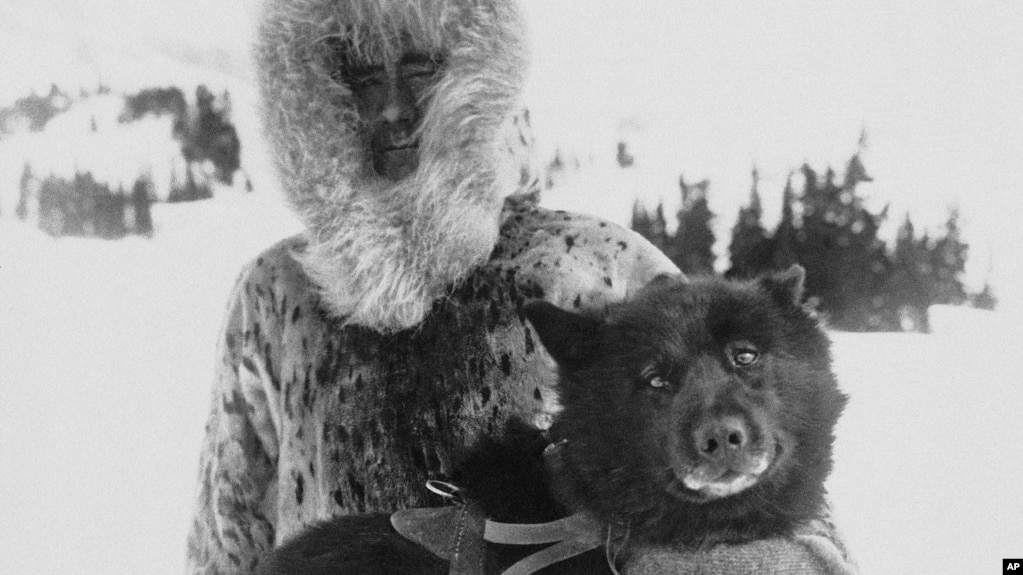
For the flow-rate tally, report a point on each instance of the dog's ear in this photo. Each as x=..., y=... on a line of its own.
x=573, y=340
x=786, y=287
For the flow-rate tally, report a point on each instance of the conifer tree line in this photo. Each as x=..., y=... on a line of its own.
x=854, y=279
x=86, y=208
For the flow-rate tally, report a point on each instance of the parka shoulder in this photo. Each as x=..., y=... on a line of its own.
x=576, y=260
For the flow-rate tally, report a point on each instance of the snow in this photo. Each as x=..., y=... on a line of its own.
x=928, y=470
x=107, y=348
x=107, y=351
x=106, y=358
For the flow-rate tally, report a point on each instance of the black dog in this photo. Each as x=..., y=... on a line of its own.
x=695, y=413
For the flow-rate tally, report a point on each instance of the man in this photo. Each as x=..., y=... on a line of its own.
x=357, y=358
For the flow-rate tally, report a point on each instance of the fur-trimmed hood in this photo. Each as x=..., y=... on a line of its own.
x=384, y=251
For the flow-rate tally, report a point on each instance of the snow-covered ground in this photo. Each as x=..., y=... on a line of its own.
x=107, y=348
x=106, y=355
x=928, y=475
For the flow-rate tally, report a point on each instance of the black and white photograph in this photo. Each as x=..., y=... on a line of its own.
x=383, y=287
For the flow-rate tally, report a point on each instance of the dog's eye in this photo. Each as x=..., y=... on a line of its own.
x=657, y=382
x=654, y=379
x=745, y=357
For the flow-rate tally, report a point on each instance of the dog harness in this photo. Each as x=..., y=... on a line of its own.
x=459, y=534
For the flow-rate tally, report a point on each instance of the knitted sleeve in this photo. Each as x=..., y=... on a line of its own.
x=816, y=548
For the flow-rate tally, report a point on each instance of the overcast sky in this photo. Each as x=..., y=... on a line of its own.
x=706, y=87
x=719, y=85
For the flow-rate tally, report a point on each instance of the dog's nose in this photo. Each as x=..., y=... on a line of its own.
x=721, y=438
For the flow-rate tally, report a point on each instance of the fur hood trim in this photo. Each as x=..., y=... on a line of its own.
x=383, y=251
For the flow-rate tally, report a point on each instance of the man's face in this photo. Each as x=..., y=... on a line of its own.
x=390, y=101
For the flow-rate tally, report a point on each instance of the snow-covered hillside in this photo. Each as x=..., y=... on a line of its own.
x=89, y=138
x=106, y=352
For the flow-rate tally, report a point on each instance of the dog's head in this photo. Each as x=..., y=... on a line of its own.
x=699, y=410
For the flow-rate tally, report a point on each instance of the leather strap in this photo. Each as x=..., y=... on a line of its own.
x=579, y=527
x=549, y=556
x=432, y=528
x=453, y=533
x=468, y=549
x=457, y=534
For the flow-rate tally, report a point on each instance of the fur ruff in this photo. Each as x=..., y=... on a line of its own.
x=382, y=252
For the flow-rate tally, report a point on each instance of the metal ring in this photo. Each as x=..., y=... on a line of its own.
x=444, y=489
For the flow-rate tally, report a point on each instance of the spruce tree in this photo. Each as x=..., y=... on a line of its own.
x=624, y=158
x=985, y=299
x=870, y=267
x=785, y=246
x=212, y=136
x=750, y=247
x=174, y=190
x=142, y=207
x=53, y=206
x=24, y=192
x=905, y=290
x=113, y=213
x=692, y=245
x=845, y=260
x=191, y=190
x=80, y=201
x=948, y=262
x=815, y=241
x=652, y=228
